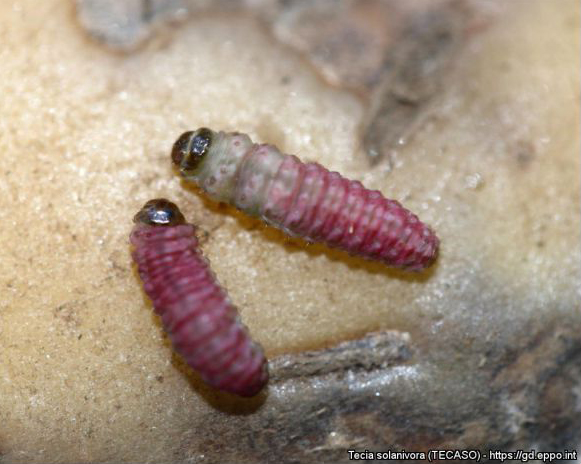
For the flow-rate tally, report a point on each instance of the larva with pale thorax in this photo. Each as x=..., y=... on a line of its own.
x=202, y=323
x=304, y=199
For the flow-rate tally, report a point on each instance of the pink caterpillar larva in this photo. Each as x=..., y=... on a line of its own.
x=304, y=199
x=202, y=322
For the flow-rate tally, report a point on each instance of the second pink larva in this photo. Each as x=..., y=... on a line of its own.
x=304, y=199
x=202, y=322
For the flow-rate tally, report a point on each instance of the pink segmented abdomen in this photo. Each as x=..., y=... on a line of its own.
x=202, y=323
x=304, y=199
x=323, y=206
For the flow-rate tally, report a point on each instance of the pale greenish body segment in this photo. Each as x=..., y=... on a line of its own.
x=237, y=171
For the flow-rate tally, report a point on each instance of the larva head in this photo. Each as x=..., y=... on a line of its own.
x=159, y=212
x=190, y=149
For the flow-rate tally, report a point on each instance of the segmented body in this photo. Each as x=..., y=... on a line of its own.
x=304, y=199
x=202, y=322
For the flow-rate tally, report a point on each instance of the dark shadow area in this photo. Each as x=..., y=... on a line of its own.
x=222, y=401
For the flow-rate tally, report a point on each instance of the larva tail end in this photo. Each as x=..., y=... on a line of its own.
x=159, y=212
x=429, y=256
x=259, y=381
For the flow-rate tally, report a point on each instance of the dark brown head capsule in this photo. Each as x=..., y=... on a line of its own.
x=190, y=148
x=159, y=212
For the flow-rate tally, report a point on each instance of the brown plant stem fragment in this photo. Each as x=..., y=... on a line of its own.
x=345, y=40
x=416, y=70
x=376, y=350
